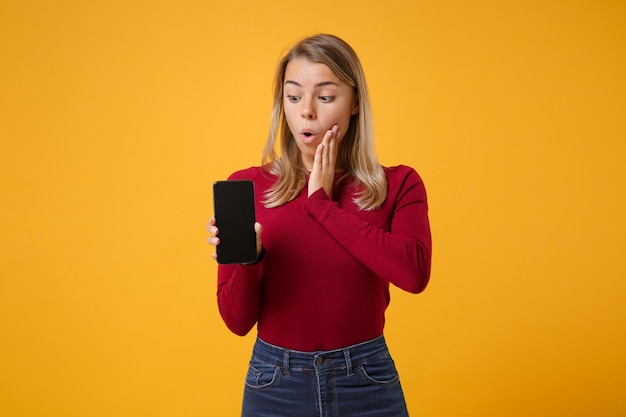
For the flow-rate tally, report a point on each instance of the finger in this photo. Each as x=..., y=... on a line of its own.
x=326, y=141
x=325, y=155
x=212, y=229
x=332, y=151
x=258, y=228
x=318, y=158
x=329, y=154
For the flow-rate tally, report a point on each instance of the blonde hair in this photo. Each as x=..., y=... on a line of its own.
x=356, y=150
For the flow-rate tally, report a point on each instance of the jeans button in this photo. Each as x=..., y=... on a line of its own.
x=319, y=361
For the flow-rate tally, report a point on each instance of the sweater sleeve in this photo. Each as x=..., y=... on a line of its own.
x=402, y=255
x=239, y=296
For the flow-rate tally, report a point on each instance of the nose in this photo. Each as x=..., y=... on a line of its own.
x=308, y=110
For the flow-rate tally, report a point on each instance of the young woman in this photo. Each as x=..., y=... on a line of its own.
x=334, y=229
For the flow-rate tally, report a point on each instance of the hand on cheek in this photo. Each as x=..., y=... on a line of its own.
x=323, y=172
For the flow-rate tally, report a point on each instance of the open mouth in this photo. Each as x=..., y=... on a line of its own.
x=307, y=135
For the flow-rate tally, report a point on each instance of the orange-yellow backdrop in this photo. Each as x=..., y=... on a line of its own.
x=117, y=116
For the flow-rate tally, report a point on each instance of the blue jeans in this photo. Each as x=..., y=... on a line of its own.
x=359, y=380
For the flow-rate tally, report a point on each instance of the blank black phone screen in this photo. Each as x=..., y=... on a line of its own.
x=233, y=202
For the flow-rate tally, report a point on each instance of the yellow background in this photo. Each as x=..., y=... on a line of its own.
x=117, y=116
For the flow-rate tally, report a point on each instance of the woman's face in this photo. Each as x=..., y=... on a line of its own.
x=315, y=100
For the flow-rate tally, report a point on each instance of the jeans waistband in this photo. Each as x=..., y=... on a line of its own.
x=347, y=357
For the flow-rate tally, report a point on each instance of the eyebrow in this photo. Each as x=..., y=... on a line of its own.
x=321, y=84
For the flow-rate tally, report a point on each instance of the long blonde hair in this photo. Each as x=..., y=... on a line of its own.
x=356, y=150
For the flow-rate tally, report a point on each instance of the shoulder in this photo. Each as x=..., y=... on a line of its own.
x=403, y=182
x=258, y=174
x=401, y=174
x=245, y=174
x=251, y=173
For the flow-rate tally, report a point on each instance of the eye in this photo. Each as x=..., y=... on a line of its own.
x=326, y=99
x=293, y=99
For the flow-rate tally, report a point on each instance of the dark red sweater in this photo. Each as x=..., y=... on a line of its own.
x=324, y=281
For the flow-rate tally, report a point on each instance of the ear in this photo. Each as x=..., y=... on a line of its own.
x=355, y=108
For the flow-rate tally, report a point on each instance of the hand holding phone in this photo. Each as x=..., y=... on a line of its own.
x=233, y=202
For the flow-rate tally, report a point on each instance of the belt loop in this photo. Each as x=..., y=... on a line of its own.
x=286, y=371
x=346, y=353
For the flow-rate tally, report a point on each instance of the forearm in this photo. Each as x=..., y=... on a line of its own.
x=239, y=296
x=401, y=256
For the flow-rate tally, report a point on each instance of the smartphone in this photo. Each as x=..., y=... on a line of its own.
x=233, y=202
